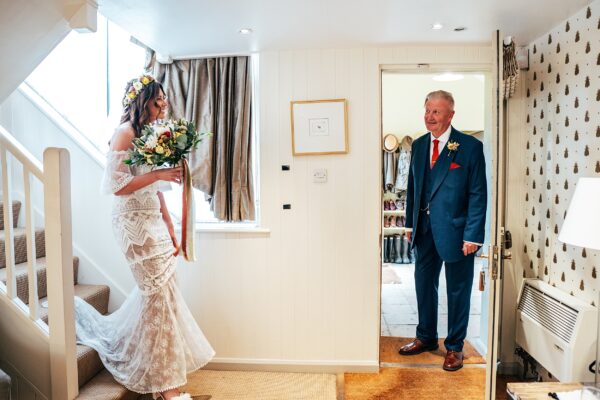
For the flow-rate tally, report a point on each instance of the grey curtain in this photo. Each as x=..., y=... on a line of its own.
x=216, y=94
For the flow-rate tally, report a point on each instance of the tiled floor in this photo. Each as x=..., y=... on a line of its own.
x=399, y=305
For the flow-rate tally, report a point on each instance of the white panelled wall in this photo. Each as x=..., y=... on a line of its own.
x=305, y=295
x=308, y=292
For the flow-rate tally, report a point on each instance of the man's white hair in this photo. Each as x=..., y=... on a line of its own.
x=441, y=94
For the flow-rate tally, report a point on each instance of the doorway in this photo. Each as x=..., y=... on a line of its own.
x=403, y=93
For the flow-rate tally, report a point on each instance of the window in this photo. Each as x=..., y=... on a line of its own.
x=88, y=90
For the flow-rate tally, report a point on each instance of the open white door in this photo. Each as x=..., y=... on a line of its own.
x=496, y=250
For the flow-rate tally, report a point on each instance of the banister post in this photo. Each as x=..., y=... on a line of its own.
x=59, y=257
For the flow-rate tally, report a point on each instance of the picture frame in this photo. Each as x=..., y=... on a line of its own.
x=319, y=127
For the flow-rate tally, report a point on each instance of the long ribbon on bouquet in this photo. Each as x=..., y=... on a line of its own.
x=188, y=215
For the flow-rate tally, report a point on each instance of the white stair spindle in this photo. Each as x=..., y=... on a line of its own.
x=9, y=247
x=31, y=250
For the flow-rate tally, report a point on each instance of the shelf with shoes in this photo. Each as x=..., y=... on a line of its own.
x=393, y=223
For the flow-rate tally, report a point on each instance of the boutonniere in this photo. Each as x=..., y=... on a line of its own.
x=452, y=146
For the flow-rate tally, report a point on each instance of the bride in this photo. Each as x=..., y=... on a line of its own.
x=152, y=341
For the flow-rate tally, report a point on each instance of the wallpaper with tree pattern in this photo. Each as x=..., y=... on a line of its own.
x=563, y=128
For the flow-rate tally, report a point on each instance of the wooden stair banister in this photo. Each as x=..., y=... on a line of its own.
x=54, y=174
x=59, y=255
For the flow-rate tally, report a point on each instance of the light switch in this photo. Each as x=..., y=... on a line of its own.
x=320, y=175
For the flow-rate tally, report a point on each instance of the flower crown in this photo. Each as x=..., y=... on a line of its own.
x=136, y=87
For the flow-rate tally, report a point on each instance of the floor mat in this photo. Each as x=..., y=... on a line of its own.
x=416, y=383
x=389, y=346
x=250, y=385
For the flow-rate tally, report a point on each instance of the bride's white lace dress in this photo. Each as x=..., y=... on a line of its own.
x=152, y=341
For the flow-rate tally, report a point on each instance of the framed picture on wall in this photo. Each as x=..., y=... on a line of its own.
x=319, y=127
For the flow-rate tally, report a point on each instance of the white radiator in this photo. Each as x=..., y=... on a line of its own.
x=558, y=330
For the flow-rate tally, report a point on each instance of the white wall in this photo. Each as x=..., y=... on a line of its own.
x=403, y=96
x=306, y=295
x=309, y=291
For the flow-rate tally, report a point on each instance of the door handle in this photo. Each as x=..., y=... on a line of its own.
x=507, y=255
x=486, y=256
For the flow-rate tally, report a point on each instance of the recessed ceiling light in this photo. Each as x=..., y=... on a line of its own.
x=460, y=29
x=245, y=31
x=448, y=77
x=437, y=26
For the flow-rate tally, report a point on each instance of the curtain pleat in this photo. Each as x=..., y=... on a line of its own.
x=216, y=94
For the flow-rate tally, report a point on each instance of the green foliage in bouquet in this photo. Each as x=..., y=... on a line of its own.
x=165, y=143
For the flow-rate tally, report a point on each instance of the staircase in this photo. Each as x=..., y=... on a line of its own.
x=94, y=381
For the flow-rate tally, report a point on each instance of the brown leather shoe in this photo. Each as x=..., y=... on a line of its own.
x=453, y=360
x=417, y=347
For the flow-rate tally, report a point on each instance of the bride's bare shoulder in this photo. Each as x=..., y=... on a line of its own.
x=123, y=137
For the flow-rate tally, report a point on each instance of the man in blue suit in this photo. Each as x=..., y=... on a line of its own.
x=445, y=220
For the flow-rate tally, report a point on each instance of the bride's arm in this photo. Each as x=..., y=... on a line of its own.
x=167, y=218
x=121, y=142
x=140, y=181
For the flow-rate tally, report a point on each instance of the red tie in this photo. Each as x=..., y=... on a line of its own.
x=436, y=152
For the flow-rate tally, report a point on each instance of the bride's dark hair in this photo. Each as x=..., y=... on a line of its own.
x=136, y=111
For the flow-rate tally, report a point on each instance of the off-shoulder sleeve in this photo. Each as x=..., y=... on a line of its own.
x=117, y=174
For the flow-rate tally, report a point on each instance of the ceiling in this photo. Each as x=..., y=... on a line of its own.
x=193, y=28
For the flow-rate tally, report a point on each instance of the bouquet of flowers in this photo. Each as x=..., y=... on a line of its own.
x=165, y=143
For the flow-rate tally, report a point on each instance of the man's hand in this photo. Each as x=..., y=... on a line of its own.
x=409, y=236
x=469, y=248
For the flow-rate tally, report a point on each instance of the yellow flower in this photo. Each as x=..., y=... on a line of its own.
x=159, y=150
x=177, y=134
x=145, y=80
x=131, y=95
x=167, y=152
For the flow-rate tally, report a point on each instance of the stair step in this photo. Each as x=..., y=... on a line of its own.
x=20, y=239
x=88, y=364
x=23, y=281
x=104, y=387
x=16, y=206
x=96, y=295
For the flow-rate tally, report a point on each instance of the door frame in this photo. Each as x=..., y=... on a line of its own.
x=496, y=250
x=494, y=281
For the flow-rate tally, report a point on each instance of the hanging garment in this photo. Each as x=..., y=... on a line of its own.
x=390, y=161
x=402, y=170
x=510, y=73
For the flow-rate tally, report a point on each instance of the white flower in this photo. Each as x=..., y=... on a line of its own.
x=160, y=129
x=138, y=85
x=151, y=142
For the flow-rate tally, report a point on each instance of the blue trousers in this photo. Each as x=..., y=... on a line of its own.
x=459, y=281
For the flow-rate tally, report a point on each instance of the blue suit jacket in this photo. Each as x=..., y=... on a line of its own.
x=458, y=197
